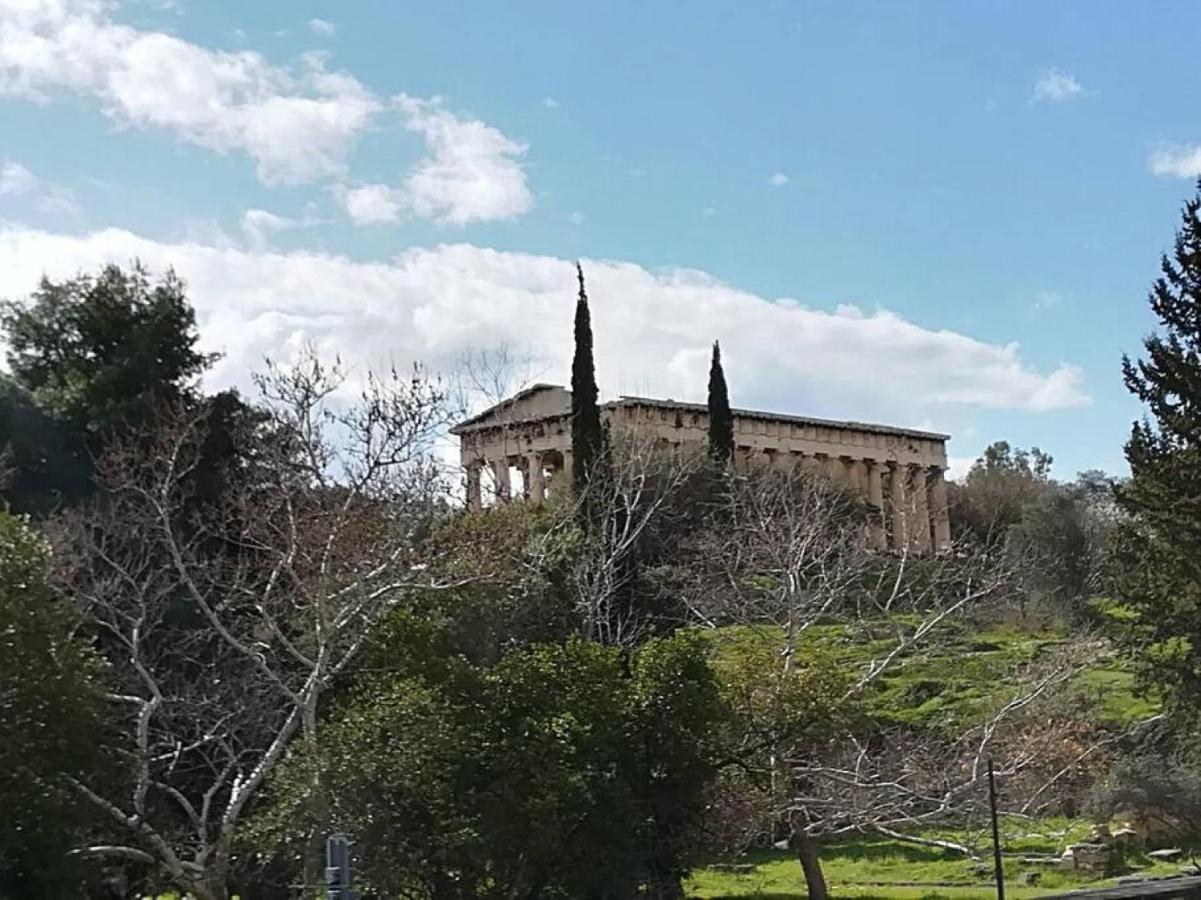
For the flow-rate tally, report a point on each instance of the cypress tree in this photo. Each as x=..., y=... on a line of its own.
x=721, y=420
x=587, y=438
x=1157, y=552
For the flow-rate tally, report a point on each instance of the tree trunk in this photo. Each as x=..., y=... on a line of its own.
x=666, y=888
x=806, y=849
x=210, y=889
x=214, y=883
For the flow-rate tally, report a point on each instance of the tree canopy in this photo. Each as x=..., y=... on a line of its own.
x=554, y=773
x=100, y=351
x=1158, y=552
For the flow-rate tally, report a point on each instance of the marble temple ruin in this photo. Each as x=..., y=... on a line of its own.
x=899, y=471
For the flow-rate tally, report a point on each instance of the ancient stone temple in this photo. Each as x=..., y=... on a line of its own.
x=898, y=470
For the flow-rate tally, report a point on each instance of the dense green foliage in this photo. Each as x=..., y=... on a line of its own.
x=512, y=568
x=97, y=359
x=49, y=720
x=44, y=462
x=557, y=772
x=587, y=436
x=1054, y=532
x=721, y=419
x=102, y=352
x=996, y=490
x=1158, y=550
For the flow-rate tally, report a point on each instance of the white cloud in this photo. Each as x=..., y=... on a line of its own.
x=653, y=330
x=550, y=102
x=576, y=218
x=1045, y=300
x=323, y=27
x=778, y=179
x=1056, y=87
x=258, y=224
x=15, y=179
x=1178, y=160
x=297, y=124
x=18, y=181
x=371, y=204
x=472, y=172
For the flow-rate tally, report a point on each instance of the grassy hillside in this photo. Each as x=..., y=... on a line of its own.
x=950, y=679
x=943, y=685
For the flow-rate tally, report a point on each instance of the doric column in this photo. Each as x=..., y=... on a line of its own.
x=875, y=496
x=919, y=526
x=563, y=476
x=535, y=488
x=835, y=469
x=856, y=473
x=939, y=512
x=474, y=501
x=500, y=471
x=897, y=505
x=810, y=464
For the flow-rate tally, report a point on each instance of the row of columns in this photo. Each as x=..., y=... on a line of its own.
x=914, y=516
x=910, y=515
x=533, y=467
x=909, y=501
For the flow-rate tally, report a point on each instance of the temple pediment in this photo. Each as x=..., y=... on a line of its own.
x=539, y=401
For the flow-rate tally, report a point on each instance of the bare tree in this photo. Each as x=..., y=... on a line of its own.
x=784, y=552
x=486, y=376
x=892, y=781
x=634, y=496
x=226, y=623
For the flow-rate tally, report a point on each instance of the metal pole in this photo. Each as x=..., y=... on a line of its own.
x=996, y=834
x=337, y=868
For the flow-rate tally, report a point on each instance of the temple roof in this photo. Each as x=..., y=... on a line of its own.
x=557, y=404
x=627, y=400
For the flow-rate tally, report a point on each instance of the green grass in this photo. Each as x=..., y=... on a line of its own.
x=878, y=867
x=949, y=680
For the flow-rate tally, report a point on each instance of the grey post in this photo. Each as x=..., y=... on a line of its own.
x=337, y=868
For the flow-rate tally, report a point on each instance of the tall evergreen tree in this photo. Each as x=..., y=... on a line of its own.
x=1158, y=548
x=721, y=419
x=103, y=352
x=587, y=437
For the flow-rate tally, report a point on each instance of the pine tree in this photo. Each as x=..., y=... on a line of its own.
x=1157, y=553
x=587, y=437
x=721, y=420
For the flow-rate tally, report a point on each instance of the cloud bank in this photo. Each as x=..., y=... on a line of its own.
x=653, y=329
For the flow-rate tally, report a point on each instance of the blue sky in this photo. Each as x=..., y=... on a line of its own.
x=870, y=204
